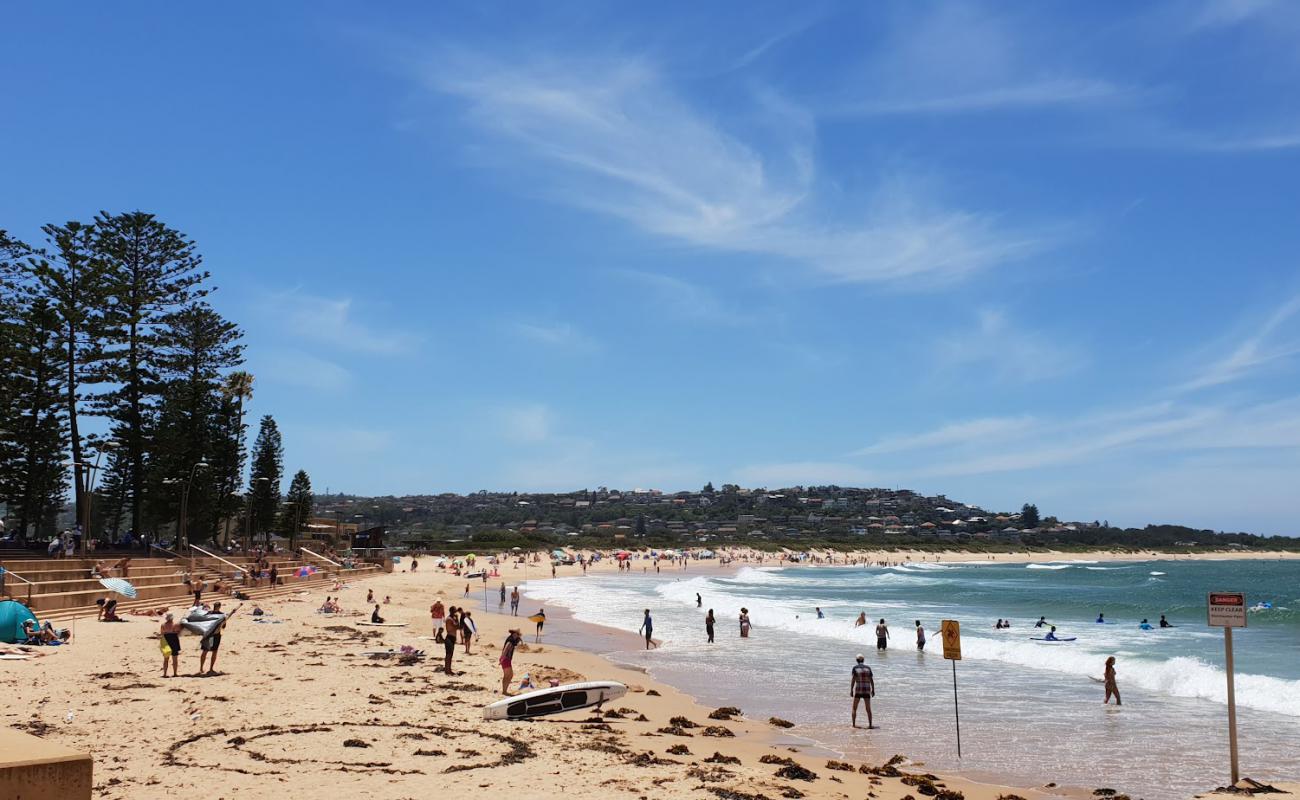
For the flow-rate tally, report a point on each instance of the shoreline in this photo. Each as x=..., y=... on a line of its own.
x=299, y=684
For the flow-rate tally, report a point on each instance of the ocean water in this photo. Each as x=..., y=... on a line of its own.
x=1030, y=712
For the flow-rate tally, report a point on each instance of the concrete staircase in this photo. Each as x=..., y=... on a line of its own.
x=63, y=588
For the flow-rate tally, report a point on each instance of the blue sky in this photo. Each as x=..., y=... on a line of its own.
x=1007, y=252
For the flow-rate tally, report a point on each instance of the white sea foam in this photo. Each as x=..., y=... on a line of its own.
x=1155, y=573
x=1048, y=566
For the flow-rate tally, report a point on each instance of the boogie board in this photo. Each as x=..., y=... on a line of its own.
x=202, y=624
x=556, y=700
x=1052, y=641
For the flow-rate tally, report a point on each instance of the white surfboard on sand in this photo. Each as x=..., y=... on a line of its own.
x=555, y=700
x=383, y=624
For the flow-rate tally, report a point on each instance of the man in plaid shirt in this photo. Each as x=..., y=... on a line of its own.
x=862, y=686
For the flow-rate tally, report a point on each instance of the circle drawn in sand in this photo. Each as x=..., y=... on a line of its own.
x=396, y=748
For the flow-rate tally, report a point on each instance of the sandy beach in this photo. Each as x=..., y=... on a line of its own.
x=296, y=708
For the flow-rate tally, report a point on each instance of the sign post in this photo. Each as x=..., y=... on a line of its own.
x=950, y=632
x=1227, y=610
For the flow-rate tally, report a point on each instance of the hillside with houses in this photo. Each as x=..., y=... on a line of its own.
x=795, y=515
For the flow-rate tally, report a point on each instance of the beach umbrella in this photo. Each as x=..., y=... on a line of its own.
x=12, y=616
x=119, y=585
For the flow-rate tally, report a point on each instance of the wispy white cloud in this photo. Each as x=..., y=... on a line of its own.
x=985, y=430
x=805, y=473
x=1271, y=342
x=334, y=322
x=611, y=136
x=962, y=58
x=1011, y=353
x=686, y=300
x=526, y=424
x=1228, y=13
x=1060, y=92
x=296, y=368
x=561, y=335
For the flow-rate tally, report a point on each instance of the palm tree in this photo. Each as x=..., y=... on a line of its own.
x=239, y=388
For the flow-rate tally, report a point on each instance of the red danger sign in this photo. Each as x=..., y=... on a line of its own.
x=1227, y=610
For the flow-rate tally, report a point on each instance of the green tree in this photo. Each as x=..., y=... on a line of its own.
x=297, y=506
x=1029, y=515
x=34, y=436
x=71, y=276
x=268, y=469
x=194, y=347
x=236, y=391
x=151, y=271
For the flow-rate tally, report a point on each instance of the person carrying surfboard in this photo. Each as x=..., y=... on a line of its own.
x=540, y=619
x=507, y=659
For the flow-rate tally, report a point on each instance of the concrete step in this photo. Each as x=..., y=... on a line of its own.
x=182, y=597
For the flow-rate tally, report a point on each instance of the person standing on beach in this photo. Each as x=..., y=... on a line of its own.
x=1111, y=687
x=882, y=635
x=503, y=594
x=744, y=623
x=540, y=619
x=514, y=602
x=699, y=601
x=467, y=629
x=862, y=686
x=210, y=644
x=449, y=641
x=171, y=635
x=507, y=659
x=708, y=625
x=439, y=616
x=648, y=626
x=920, y=636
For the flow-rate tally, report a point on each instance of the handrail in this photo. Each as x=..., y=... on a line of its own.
x=321, y=557
x=5, y=571
x=153, y=546
x=219, y=558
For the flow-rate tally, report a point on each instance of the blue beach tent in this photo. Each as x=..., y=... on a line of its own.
x=12, y=616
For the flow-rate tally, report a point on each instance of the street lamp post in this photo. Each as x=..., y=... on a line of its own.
x=92, y=472
x=182, y=537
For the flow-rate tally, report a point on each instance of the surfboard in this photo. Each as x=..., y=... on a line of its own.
x=1053, y=641
x=537, y=618
x=556, y=700
x=383, y=624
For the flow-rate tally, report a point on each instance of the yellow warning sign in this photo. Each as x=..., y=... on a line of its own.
x=950, y=630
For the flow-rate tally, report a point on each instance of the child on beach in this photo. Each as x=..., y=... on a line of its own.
x=374, y=616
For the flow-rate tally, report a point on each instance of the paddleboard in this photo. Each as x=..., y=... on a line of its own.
x=556, y=700
x=383, y=624
x=1053, y=641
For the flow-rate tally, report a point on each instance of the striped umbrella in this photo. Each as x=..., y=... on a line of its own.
x=119, y=585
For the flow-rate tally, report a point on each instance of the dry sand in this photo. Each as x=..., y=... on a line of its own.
x=298, y=711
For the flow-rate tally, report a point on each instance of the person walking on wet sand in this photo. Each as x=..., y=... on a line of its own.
x=708, y=625
x=540, y=619
x=882, y=635
x=1111, y=687
x=171, y=636
x=507, y=659
x=648, y=626
x=862, y=686
x=514, y=602
x=503, y=594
